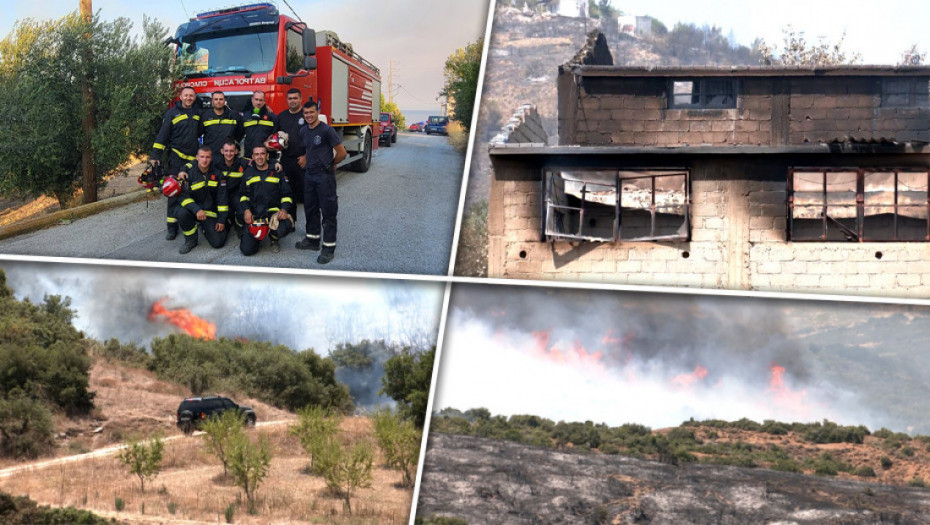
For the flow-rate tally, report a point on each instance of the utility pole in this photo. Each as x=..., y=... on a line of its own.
x=391, y=81
x=88, y=168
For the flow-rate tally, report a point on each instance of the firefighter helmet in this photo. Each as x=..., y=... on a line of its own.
x=258, y=229
x=171, y=187
x=278, y=141
x=151, y=176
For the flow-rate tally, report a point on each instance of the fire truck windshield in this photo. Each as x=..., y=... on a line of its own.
x=243, y=51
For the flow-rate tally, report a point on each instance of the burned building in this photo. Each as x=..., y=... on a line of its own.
x=750, y=177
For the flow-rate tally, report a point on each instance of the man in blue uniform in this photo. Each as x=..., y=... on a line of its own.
x=320, y=199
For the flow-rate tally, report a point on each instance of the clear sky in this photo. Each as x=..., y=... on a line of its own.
x=416, y=35
x=879, y=31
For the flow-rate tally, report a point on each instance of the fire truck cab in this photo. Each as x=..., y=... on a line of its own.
x=243, y=49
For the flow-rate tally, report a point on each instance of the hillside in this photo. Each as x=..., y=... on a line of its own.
x=488, y=481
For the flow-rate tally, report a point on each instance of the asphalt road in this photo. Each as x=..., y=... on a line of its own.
x=397, y=218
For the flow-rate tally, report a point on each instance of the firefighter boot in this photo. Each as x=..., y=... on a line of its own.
x=275, y=247
x=190, y=242
x=308, y=243
x=171, y=234
x=326, y=254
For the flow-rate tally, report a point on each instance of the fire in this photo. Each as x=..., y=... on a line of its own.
x=184, y=319
x=783, y=395
x=576, y=354
x=686, y=380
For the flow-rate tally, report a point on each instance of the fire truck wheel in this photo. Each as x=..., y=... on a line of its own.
x=394, y=136
x=362, y=164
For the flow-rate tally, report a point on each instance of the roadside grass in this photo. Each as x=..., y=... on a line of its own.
x=191, y=486
x=471, y=260
x=458, y=137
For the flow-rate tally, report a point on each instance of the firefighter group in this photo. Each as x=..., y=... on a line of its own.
x=213, y=187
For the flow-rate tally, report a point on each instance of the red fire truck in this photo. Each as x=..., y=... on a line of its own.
x=252, y=47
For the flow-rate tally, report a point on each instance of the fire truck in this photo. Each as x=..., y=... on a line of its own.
x=242, y=49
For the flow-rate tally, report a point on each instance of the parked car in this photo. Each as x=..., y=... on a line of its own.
x=388, y=130
x=437, y=124
x=416, y=126
x=194, y=410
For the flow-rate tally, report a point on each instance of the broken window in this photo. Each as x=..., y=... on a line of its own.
x=702, y=93
x=898, y=92
x=859, y=205
x=613, y=205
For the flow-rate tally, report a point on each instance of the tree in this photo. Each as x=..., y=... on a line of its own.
x=314, y=426
x=461, y=80
x=41, y=68
x=391, y=107
x=406, y=379
x=220, y=432
x=25, y=427
x=346, y=470
x=143, y=457
x=798, y=52
x=249, y=463
x=912, y=57
x=399, y=440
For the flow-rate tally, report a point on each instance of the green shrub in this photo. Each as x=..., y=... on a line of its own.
x=865, y=472
x=120, y=504
x=400, y=442
x=249, y=463
x=917, y=482
x=26, y=429
x=143, y=457
x=886, y=462
x=16, y=510
x=907, y=452
x=346, y=470
x=219, y=433
x=230, y=512
x=172, y=507
x=315, y=425
x=786, y=465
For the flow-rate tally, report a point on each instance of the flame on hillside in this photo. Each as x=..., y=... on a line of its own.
x=184, y=319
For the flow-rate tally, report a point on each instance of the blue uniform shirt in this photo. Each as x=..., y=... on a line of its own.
x=319, y=143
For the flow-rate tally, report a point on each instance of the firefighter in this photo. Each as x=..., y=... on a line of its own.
x=290, y=122
x=258, y=123
x=178, y=138
x=320, y=197
x=220, y=123
x=203, y=202
x=232, y=167
x=266, y=199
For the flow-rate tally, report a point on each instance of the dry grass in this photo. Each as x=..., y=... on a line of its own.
x=458, y=137
x=471, y=259
x=193, y=480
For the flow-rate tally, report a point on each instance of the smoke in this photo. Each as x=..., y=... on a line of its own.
x=299, y=312
x=365, y=382
x=654, y=359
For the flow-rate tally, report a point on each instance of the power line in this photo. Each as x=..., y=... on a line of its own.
x=186, y=14
x=412, y=95
x=292, y=10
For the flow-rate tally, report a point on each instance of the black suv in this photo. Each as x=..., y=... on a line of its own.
x=193, y=410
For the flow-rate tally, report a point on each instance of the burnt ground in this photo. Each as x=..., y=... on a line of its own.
x=487, y=481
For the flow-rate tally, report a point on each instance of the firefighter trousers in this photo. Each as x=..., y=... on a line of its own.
x=188, y=223
x=321, y=202
x=295, y=176
x=173, y=166
x=249, y=245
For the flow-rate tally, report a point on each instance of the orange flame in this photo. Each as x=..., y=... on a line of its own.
x=686, y=380
x=783, y=395
x=184, y=319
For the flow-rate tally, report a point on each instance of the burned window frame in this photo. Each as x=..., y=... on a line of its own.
x=916, y=92
x=548, y=205
x=859, y=233
x=703, y=93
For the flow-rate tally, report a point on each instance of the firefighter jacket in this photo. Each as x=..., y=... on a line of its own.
x=233, y=175
x=179, y=131
x=265, y=191
x=205, y=191
x=217, y=128
x=257, y=126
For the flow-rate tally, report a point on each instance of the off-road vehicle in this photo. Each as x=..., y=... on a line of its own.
x=195, y=410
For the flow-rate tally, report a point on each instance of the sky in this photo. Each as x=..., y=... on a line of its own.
x=417, y=36
x=298, y=311
x=879, y=31
x=660, y=359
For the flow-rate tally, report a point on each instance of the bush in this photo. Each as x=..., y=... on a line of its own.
x=865, y=472
x=26, y=429
x=917, y=482
x=907, y=452
x=458, y=136
x=172, y=507
x=230, y=512
x=119, y=504
x=20, y=510
x=406, y=380
x=786, y=465
x=886, y=462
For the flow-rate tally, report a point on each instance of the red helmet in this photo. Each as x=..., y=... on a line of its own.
x=146, y=182
x=171, y=187
x=278, y=141
x=258, y=229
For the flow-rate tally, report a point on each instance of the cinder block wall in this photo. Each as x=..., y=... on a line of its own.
x=769, y=112
x=738, y=242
